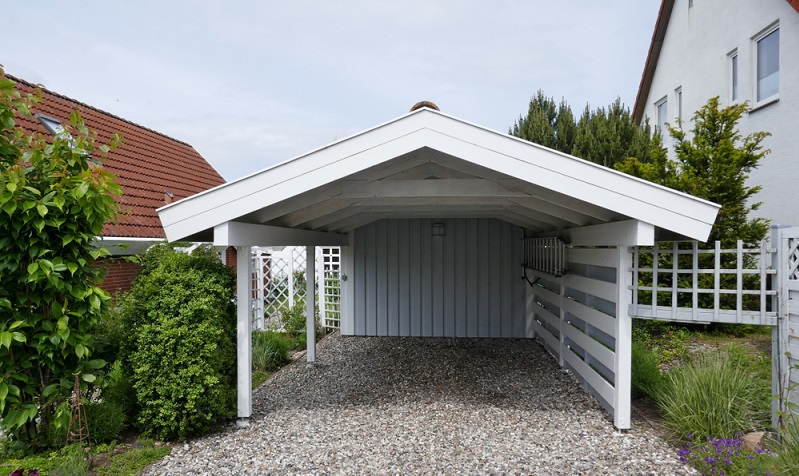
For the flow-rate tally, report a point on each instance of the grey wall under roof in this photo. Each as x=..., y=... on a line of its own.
x=467, y=283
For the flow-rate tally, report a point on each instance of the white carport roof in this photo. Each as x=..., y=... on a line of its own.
x=429, y=164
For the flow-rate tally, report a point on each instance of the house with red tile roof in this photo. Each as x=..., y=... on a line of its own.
x=741, y=51
x=152, y=168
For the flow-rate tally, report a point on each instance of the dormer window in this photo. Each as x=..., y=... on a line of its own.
x=53, y=126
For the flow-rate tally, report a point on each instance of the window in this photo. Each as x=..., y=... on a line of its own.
x=734, y=76
x=678, y=97
x=690, y=3
x=662, y=107
x=53, y=126
x=767, y=64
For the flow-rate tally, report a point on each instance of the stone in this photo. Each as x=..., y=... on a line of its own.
x=754, y=440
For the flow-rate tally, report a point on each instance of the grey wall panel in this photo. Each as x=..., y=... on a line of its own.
x=464, y=284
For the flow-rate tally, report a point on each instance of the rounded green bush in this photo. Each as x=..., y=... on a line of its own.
x=179, y=348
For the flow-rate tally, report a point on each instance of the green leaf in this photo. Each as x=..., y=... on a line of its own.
x=33, y=267
x=80, y=351
x=5, y=339
x=11, y=187
x=19, y=336
x=15, y=324
x=88, y=377
x=51, y=390
x=41, y=209
x=72, y=268
x=96, y=364
x=3, y=390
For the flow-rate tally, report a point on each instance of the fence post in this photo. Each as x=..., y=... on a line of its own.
x=780, y=371
x=244, y=334
x=622, y=382
x=310, y=303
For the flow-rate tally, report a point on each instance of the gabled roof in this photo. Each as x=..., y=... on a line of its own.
x=147, y=166
x=661, y=25
x=428, y=164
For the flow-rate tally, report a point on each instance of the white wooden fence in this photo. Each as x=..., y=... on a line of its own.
x=679, y=282
x=581, y=318
x=786, y=358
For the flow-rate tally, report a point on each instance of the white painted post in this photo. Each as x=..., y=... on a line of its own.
x=622, y=363
x=244, y=334
x=310, y=307
x=347, y=323
x=319, y=261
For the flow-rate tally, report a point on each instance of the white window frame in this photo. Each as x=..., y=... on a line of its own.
x=678, y=101
x=661, y=124
x=734, y=76
x=755, y=41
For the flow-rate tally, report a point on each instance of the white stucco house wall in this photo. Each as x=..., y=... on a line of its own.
x=739, y=50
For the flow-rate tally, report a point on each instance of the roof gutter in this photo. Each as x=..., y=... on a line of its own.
x=652, y=59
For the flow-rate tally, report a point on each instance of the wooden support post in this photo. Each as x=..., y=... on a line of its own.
x=244, y=333
x=310, y=306
x=622, y=385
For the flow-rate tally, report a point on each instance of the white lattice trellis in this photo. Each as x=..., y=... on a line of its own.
x=282, y=277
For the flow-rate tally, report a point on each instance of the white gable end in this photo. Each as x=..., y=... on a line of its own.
x=381, y=173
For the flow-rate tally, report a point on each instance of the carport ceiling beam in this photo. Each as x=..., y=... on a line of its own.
x=248, y=234
x=426, y=188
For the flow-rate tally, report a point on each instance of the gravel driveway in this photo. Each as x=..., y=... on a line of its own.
x=425, y=406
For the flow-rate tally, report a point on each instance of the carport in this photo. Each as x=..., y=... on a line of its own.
x=449, y=229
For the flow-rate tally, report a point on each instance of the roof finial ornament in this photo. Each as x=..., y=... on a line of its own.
x=422, y=104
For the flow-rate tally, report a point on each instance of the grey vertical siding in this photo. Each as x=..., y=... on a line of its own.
x=465, y=284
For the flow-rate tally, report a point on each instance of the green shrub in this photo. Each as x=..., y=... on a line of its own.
x=270, y=350
x=118, y=389
x=179, y=348
x=294, y=318
x=106, y=420
x=647, y=380
x=709, y=397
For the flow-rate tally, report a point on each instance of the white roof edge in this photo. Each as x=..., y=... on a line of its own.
x=433, y=111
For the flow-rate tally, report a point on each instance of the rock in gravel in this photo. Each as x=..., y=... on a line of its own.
x=393, y=405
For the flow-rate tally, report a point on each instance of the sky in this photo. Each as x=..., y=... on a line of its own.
x=250, y=84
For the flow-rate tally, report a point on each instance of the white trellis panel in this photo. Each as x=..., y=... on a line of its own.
x=671, y=279
x=281, y=274
x=787, y=240
x=329, y=278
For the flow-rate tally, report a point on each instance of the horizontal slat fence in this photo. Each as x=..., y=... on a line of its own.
x=574, y=316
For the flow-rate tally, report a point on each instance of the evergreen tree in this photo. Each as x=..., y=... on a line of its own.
x=713, y=164
x=604, y=136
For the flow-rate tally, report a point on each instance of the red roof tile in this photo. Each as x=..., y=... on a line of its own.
x=147, y=165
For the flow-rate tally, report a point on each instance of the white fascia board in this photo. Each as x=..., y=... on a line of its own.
x=124, y=245
x=621, y=233
x=514, y=157
x=248, y=234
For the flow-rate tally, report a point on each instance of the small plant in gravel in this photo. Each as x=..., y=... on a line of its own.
x=726, y=456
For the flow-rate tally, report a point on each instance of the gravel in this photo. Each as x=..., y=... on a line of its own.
x=396, y=405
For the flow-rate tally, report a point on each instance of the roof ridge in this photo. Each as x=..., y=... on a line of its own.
x=83, y=104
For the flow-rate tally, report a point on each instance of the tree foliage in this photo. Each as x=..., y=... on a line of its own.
x=54, y=199
x=712, y=162
x=179, y=346
x=605, y=136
